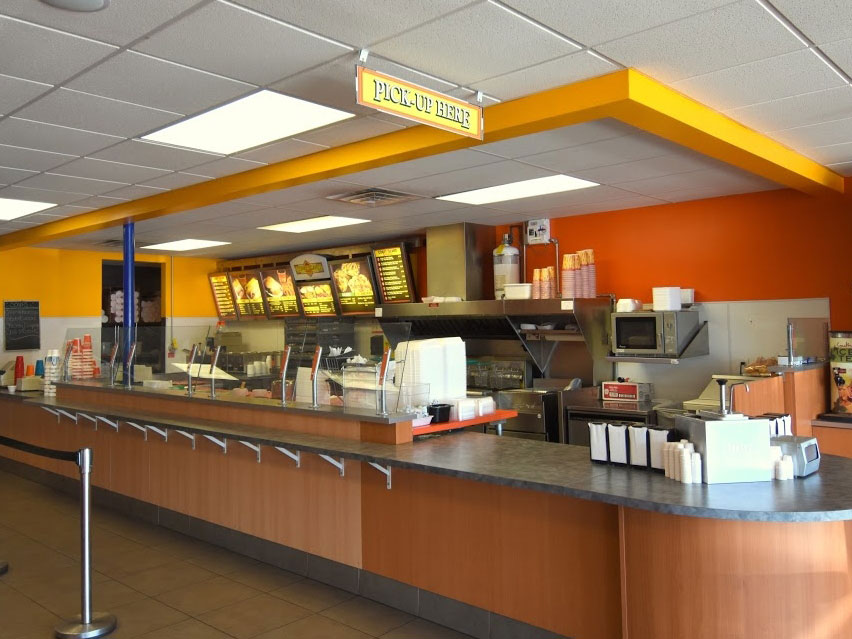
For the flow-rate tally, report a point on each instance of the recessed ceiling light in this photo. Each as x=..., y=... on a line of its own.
x=313, y=224
x=518, y=190
x=248, y=122
x=78, y=5
x=184, y=245
x=11, y=209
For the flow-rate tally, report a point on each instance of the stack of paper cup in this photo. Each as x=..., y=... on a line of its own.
x=666, y=298
x=51, y=372
x=583, y=286
x=548, y=283
x=592, y=276
x=567, y=277
x=536, y=284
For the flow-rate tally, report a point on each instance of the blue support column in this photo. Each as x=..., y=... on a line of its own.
x=129, y=280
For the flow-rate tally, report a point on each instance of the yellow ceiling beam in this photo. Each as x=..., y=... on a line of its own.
x=626, y=95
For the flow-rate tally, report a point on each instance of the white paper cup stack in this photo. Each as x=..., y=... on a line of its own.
x=666, y=298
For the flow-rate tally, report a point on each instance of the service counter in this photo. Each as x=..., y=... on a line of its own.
x=474, y=531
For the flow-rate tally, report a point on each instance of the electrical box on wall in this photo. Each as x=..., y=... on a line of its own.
x=538, y=231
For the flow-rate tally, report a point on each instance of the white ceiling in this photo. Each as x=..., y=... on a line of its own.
x=77, y=91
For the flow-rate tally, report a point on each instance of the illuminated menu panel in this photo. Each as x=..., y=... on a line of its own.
x=353, y=283
x=222, y=296
x=317, y=299
x=247, y=295
x=394, y=274
x=279, y=293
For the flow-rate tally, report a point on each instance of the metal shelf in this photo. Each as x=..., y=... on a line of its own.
x=552, y=335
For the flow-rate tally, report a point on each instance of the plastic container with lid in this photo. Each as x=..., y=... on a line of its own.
x=507, y=267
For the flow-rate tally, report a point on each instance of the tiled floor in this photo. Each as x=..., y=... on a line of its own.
x=163, y=585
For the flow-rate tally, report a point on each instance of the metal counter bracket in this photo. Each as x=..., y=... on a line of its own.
x=189, y=436
x=164, y=433
x=254, y=447
x=52, y=412
x=68, y=415
x=384, y=470
x=296, y=457
x=107, y=421
x=221, y=443
x=138, y=427
x=337, y=464
x=89, y=417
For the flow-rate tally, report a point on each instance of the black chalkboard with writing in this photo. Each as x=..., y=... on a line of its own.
x=21, y=327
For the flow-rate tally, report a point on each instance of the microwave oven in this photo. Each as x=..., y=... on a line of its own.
x=653, y=333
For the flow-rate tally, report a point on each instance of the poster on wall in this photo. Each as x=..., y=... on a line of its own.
x=247, y=295
x=354, y=285
x=222, y=296
x=279, y=293
x=21, y=325
x=394, y=274
x=317, y=299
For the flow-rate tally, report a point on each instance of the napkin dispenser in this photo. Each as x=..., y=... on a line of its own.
x=803, y=450
x=732, y=449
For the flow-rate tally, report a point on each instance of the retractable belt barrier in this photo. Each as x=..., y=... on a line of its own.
x=88, y=624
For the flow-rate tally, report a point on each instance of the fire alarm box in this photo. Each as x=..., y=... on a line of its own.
x=538, y=231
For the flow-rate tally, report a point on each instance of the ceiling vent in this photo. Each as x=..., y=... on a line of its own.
x=111, y=243
x=374, y=197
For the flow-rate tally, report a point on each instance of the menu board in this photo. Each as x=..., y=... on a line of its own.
x=279, y=293
x=222, y=296
x=247, y=295
x=353, y=283
x=394, y=274
x=317, y=299
x=21, y=326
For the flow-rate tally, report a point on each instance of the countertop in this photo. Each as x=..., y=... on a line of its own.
x=554, y=468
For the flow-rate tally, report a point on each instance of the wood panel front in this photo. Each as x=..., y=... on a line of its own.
x=763, y=396
x=834, y=441
x=712, y=578
x=548, y=560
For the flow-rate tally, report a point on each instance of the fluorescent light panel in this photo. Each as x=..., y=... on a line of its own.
x=11, y=209
x=518, y=190
x=256, y=119
x=184, y=245
x=313, y=224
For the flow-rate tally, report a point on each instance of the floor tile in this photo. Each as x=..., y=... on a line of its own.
x=132, y=562
x=314, y=627
x=312, y=595
x=422, y=629
x=189, y=629
x=264, y=577
x=207, y=595
x=368, y=616
x=254, y=616
x=221, y=561
x=142, y=617
x=163, y=578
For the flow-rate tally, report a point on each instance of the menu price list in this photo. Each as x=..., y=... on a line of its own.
x=222, y=296
x=394, y=275
x=279, y=293
x=246, y=289
x=317, y=299
x=353, y=282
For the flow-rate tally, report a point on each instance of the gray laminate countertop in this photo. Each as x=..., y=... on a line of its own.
x=555, y=468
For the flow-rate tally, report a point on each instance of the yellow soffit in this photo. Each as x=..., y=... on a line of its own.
x=626, y=95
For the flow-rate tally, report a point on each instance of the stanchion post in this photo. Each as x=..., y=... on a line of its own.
x=86, y=625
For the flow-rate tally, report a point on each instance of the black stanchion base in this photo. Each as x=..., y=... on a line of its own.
x=4, y=567
x=102, y=624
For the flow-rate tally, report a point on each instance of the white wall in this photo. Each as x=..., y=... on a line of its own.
x=739, y=332
x=53, y=334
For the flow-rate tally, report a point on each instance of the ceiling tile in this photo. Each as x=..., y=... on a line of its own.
x=280, y=151
x=176, y=180
x=57, y=182
x=815, y=135
x=721, y=178
x=67, y=210
x=99, y=201
x=299, y=193
x=834, y=154
x=354, y=22
x=104, y=170
x=554, y=73
x=723, y=37
x=602, y=20
x=821, y=20
x=225, y=166
x=555, y=201
x=844, y=168
x=134, y=192
x=140, y=79
x=10, y=176
x=324, y=206
x=561, y=138
x=258, y=50
x=800, y=110
x=121, y=22
x=709, y=192
x=155, y=155
x=468, y=179
x=39, y=195
x=841, y=53
x=413, y=169
x=49, y=137
x=213, y=213
x=15, y=92
x=57, y=57
x=603, y=153
x=632, y=202
x=648, y=168
x=30, y=159
x=768, y=79
x=93, y=113
x=349, y=131
x=470, y=44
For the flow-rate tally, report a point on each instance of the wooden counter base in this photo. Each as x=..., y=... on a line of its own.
x=579, y=568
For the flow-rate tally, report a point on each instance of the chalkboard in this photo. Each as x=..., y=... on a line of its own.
x=21, y=326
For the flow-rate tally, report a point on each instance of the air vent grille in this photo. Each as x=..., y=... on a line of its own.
x=374, y=197
x=111, y=243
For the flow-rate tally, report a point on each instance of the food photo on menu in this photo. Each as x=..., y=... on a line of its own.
x=280, y=286
x=351, y=281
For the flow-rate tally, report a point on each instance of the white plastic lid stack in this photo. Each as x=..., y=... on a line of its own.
x=666, y=298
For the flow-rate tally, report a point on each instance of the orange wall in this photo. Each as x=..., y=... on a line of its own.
x=769, y=245
x=68, y=283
